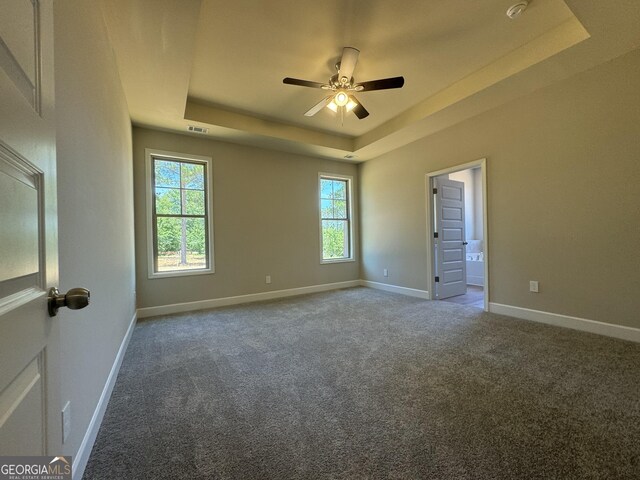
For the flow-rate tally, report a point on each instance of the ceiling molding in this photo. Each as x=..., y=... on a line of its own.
x=215, y=116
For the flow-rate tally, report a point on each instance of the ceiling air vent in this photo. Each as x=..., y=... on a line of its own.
x=193, y=128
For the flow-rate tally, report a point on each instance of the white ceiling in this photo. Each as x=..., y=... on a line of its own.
x=220, y=64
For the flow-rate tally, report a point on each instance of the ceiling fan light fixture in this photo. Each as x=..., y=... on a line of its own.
x=341, y=99
x=332, y=106
x=351, y=105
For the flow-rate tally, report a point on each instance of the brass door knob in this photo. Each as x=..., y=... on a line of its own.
x=75, y=299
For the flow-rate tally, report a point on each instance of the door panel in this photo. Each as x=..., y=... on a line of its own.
x=29, y=377
x=20, y=46
x=450, y=255
x=453, y=255
x=20, y=430
x=451, y=234
x=19, y=234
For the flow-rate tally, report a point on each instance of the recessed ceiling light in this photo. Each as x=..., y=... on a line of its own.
x=517, y=9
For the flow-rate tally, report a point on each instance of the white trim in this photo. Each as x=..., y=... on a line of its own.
x=457, y=168
x=82, y=456
x=412, y=292
x=151, y=153
x=337, y=260
x=350, y=195
x=566, y=321
x=180, y=273
x=235, y=300
x=482, y=163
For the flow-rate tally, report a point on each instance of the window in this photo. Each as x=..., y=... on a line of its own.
x=335, y=218
x=179, y=227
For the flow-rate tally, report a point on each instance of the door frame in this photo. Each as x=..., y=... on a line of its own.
x=429, y=182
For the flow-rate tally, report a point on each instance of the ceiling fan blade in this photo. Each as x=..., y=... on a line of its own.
x=318, y=106
x=303, y=83
x=382, y=84
x=359, y=110
x=348, y=63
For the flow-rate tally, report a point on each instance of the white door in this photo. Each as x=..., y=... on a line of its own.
x=29, y=378
x=451, y=265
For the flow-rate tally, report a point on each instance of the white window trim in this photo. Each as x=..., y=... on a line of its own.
x=349, y=180
x=152, y=153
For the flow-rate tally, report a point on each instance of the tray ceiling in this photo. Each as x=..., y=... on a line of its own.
x=220, y=65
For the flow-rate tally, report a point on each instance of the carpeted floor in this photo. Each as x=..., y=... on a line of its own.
x=359, y=383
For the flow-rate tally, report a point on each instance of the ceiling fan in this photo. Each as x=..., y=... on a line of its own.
x=342, y=86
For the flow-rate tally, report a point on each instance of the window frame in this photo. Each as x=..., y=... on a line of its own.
x=150, y=155
x=349, y=199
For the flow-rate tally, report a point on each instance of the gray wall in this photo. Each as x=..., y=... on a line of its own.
x=563, y=189
x=95, y=204
x=265, y=214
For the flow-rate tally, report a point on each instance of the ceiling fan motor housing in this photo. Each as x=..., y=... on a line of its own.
x=343, y=82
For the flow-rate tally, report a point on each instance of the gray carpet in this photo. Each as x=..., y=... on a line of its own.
x=358, y=383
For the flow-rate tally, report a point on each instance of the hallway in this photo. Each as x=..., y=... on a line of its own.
x=473, y=298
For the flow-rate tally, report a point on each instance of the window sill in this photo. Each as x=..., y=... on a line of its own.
x=180, y=273
x=337, y=260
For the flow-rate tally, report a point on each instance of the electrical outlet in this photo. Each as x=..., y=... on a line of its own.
x=385, y=272
x=267, y=279
x=533, y=286
x=66, y=421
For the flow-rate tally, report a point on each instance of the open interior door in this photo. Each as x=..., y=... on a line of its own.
x=451, y=266
x=29, y=377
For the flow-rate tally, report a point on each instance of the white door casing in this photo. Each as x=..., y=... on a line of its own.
x=29, y=377
x=450, y=244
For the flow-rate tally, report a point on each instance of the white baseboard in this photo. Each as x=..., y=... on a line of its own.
x=82, y=456
x=575, y=323
x=253, y=297
x=412, y=292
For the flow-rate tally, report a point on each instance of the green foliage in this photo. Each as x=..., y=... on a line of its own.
x=169, y=232
x=169, y=235
x=168, y=201
x=334, y=239
x=194, y=202
x=192, y=176
x=196, y=235
x=167, y=173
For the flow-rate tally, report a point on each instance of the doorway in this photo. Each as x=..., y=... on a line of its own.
x=457, y=235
